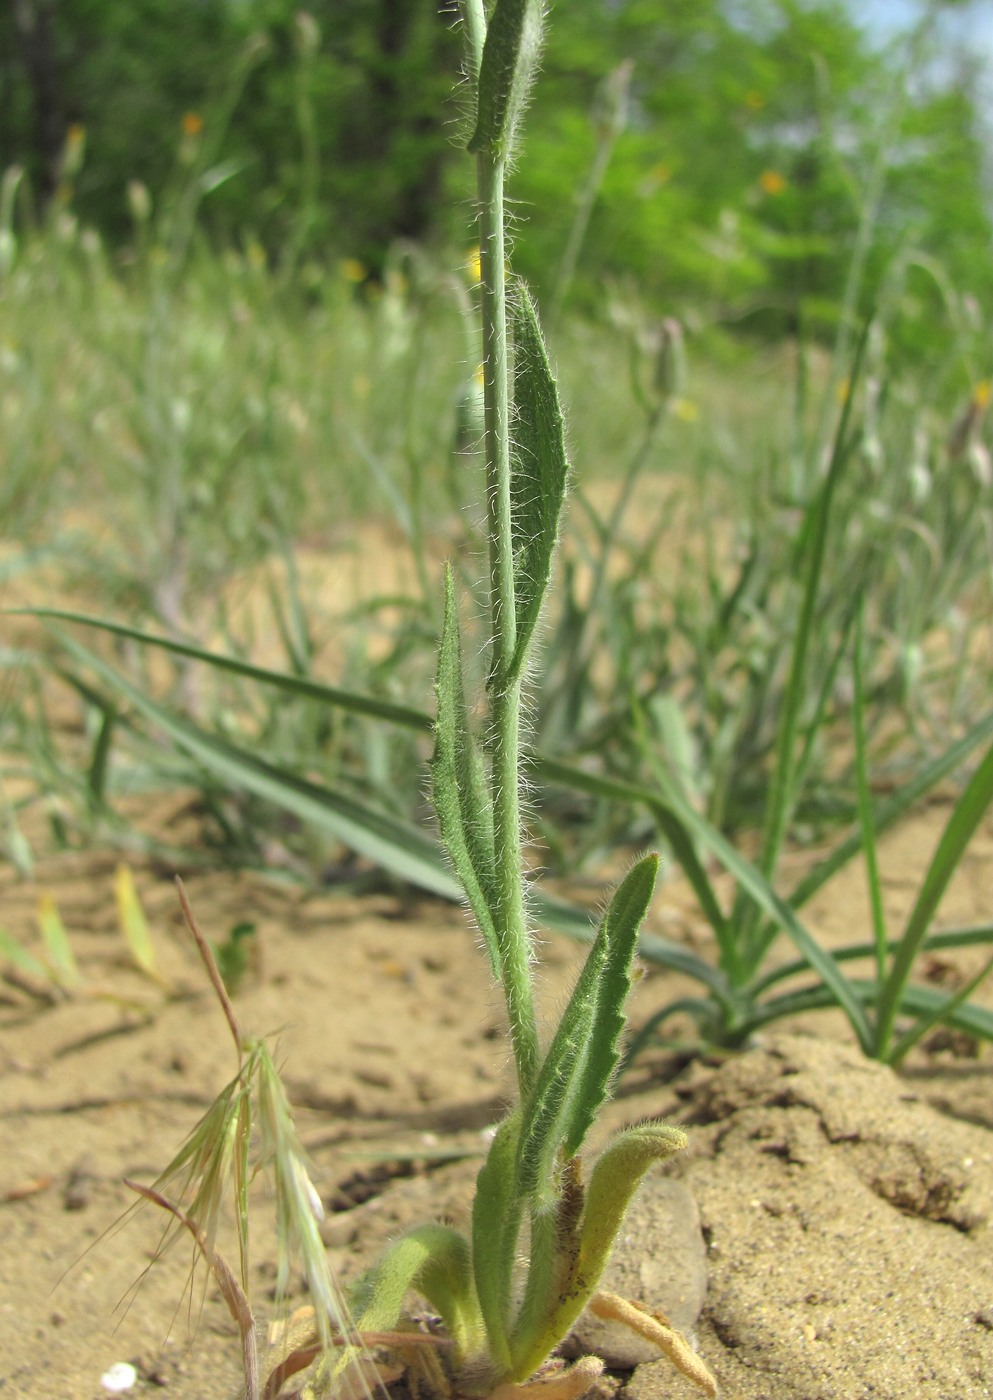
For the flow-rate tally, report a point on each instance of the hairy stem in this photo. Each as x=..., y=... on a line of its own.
x=505, y=701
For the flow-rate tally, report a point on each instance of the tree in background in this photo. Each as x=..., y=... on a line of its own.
x=770, y=149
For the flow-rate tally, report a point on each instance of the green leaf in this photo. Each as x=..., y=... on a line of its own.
x=496, y=1222
x=698, y=828
x=392, y=844
x=539, y=469
x=575, y=1075
x=19, y=958
x=979, y=935
x=614, y=1180
x=434, y=1261
x=61, y=958
x=675, y=832
x=552, y=912
x=459, y=789
x=886, y=813
x=783, y=787
x=134, y=925
x=510, y=55
x=958, y=832
x=302, y=686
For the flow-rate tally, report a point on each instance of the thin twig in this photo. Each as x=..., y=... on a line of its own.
x=234, y=1295
x=217, y=981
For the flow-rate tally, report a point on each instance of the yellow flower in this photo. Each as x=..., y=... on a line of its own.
x=192, y=124
x=982, y=392
x=772, y=182
x=352, y=270
x=473, y=266
x=72, y=153
x=686, y=410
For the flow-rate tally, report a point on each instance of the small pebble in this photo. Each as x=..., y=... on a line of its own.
x=121, y=1376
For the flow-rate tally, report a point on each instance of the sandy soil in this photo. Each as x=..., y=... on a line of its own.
x=834, y=1218
x=844, y=1211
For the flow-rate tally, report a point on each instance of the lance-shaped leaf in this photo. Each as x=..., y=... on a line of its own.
x=459, y=788
x=496, y=1220
x=539, y=469
x=510, y=56
x=575, y=1077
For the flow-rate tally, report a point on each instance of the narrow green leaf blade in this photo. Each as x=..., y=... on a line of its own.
x=303, y=686
x=134, y=924
x=19, y=958
x=57, y=946
x=461, y=796
x=539, y=469
x=614, y=1180
x=958, y=832
x=392, y=844
x=886, y=813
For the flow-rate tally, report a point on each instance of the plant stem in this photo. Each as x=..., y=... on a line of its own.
x=505, y=701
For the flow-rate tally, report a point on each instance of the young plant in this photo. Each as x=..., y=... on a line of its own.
x=542, y=1224
x=506, y=1315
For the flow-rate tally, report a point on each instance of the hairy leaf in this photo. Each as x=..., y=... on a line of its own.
x=575, y=1075
x=613, y=1182
x=460, y=792
x=433, y=1260
x=510, y=56
x=496, y=1220
x=539, y=469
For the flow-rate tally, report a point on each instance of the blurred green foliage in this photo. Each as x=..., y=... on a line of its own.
x=773, y=161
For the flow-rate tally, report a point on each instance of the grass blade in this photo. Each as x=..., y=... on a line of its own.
x=303, y=686
x=21, y=960
x=401, y=849
x=58, y=950
x=887, y=813
x=865, y=806
x=958, y=832
x=784, y=770
x=980, y=935
x=750, y=879
x=941, y=1013
x=134, y=925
